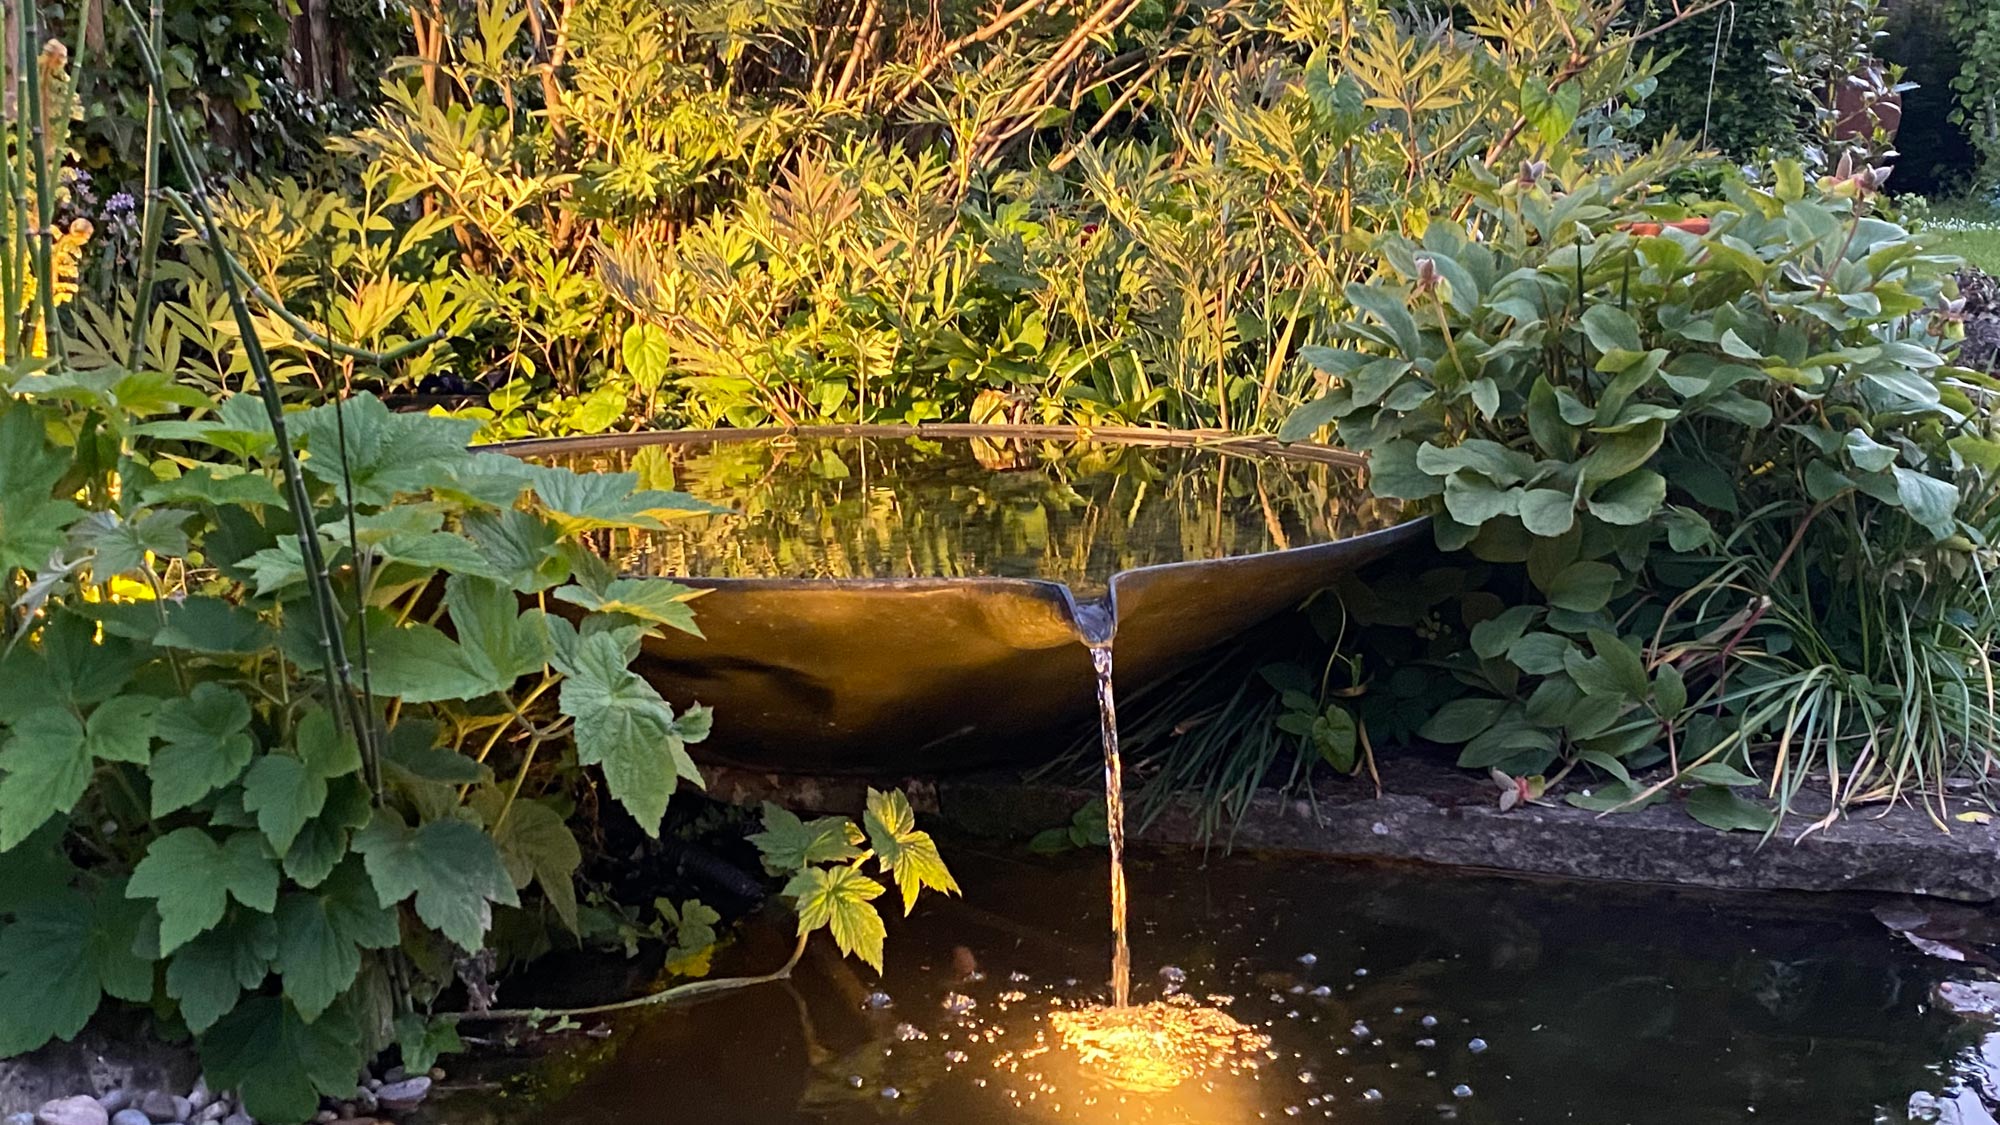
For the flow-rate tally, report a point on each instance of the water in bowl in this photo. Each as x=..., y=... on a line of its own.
x=1069, y=511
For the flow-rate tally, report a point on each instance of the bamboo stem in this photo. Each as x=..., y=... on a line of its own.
x=153, y=219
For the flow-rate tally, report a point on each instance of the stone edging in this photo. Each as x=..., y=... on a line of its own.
x=1434, y=814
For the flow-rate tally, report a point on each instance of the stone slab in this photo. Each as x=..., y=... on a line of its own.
x=1432, y=813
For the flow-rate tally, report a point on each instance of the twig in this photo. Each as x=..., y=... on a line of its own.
x=690, y=991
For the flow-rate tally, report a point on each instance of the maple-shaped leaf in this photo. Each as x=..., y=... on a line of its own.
x=44, y=771
x=205, y=745
x=624, y=726
x=450, y=867
x=578, y=502
x=838, y=898
x=788, y=843
x=32, y=519
x=908, y=855
x=537, y=846
x=191, y=878
x=215, y=485
x=278, y=1062
x=520, y=545
x=211, y=973
x=656, y=601
x=60, y=956
x=387, y=453
x=120, y=546
x=241, y=425
x=497, y=643
x=321, y=935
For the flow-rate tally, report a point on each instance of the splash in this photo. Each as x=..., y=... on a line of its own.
x=1156, y=1047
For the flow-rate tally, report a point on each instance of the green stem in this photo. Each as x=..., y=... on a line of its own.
x=153, y=219
x=690, y=991
x=45, y=192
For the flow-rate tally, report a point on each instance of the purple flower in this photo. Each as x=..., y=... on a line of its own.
x=120, y=204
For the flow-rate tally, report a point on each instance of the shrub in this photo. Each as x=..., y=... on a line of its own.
x=1747, y=492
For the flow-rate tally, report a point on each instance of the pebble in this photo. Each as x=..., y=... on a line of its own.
x=72, y=1111
x=239, y=1119
x=200, y=1096
x=365, y=1100
x=401, y=1097
x=130, y=1117
x=115, y=1100
x=326, y=1117
x=213, y=1111
x=18, y=1119
x=163, y=1107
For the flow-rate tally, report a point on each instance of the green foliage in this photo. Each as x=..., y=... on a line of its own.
x=1717, y=86
x=1975, y=29
x=1687, y=443
x=670, y=227
x=823, y=860
x=165, y=710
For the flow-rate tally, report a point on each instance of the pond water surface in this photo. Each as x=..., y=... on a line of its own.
x=1388, y=994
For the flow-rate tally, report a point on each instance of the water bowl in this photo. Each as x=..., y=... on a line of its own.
x=920, y=598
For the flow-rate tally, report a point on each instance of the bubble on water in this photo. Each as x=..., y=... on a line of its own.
x=1429, y=1021
x=877, y=1001
x=1476, y=1046
x=1371, y=1095
x=1308, y=959
x=891, y=1093
x=1322, y=992
x=1018, y=977
x=1361, y=972
x=1291, y=1111
x=1360, y=1030
x=1461, y=1091
x=854, y=1080
x=1308, y=1077
x=908, y=1032
x=955, y=1056
x=958, y=1003
x=1427, y=1043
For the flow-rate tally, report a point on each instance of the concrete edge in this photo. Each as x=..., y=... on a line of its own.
x=1434, y=814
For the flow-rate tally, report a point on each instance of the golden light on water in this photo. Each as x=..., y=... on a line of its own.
x=1154, y=1048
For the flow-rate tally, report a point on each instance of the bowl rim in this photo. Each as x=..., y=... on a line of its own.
x=1220, y=440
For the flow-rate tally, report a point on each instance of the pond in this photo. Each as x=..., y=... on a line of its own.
x=1387, y=994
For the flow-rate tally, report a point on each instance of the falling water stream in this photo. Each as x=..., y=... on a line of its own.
x=1114, y=825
